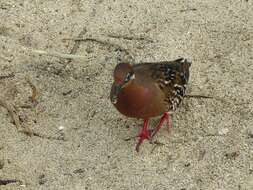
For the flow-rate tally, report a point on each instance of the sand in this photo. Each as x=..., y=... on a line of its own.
x=82, y=136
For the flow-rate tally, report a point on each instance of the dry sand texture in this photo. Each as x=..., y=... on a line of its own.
x=82, y=142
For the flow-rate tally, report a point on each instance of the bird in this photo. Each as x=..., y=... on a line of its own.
x=149, y=89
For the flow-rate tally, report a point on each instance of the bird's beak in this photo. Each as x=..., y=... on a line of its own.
x=115, y=91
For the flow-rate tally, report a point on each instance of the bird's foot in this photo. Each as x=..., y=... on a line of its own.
x=150, y=133
x=144, y=134
x=165, y=117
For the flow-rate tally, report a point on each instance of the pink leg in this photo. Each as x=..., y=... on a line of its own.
x=144, y=134
x=165, y=117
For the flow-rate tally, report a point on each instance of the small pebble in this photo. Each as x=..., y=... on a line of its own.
x=1, y=164
x=250, y=132
x=42, y=179
x=223, y=131
x=61, y=128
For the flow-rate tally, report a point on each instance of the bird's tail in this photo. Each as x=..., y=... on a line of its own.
x=184, y=61
x=183, y=66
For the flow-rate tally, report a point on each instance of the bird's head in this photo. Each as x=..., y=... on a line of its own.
x=123, y=76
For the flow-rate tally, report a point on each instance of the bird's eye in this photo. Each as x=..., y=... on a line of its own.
x=129, y=76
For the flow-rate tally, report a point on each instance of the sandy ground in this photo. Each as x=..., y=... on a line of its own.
x=82, y=142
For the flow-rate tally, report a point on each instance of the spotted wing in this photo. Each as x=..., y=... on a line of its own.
x=172, y=78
